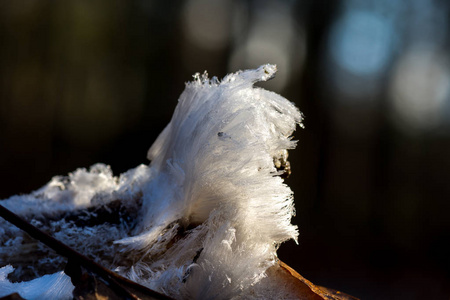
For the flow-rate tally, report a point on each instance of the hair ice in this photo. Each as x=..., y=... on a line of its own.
x=211, y=210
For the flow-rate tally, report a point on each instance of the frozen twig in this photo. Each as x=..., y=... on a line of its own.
x=122, y=287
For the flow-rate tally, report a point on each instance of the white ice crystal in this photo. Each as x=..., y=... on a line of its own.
x=210, y=210
x=50, y=287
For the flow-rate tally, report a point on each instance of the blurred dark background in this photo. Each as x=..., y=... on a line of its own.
x=96, y=81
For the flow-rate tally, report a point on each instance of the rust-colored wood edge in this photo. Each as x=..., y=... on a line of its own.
x=323, y=292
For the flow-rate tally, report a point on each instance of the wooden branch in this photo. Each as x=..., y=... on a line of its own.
x=123, y=287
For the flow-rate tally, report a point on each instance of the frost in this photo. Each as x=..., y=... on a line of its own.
x=204, y=219
x=51, y=287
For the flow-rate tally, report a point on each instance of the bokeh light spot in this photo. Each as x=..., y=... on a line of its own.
x=361, y=42
x=207, y=23
x=420, y=89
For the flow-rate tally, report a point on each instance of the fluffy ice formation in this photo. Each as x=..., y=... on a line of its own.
x=46, y=287
x=202, y=221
